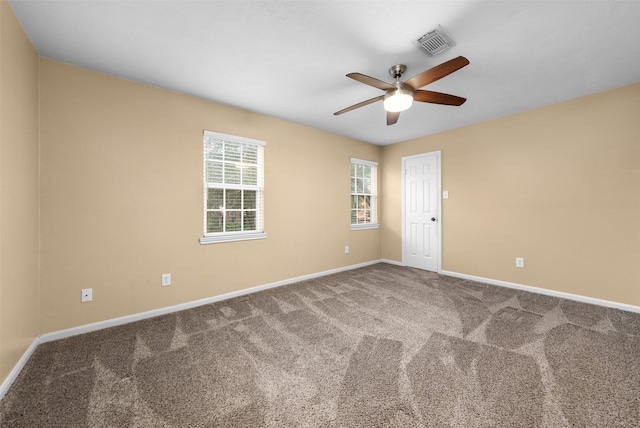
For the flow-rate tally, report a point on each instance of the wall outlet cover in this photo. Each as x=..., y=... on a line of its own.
x=87, y=295
x=166, y=279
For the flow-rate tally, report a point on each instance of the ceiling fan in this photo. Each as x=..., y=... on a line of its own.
x=400, y=95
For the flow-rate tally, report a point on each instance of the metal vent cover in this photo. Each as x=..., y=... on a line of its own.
x=436, y=41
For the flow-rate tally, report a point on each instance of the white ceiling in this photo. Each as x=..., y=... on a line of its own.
x=288, y=59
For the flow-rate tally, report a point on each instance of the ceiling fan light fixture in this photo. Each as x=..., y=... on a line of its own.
x=398, y=100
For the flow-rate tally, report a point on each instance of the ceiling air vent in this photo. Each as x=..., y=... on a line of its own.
x=436, y=41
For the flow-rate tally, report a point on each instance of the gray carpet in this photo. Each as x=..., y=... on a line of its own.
x=377, y=346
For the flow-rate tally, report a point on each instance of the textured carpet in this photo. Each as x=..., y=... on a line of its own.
x=377, y=346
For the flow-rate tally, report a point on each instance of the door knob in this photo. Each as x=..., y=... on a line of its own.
x=433, y=219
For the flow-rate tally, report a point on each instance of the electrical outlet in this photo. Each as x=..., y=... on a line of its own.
x=166, y=279
x=519, y=262
x=346, y=249
x=87, y=295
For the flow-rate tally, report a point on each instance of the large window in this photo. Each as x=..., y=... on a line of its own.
x=233, y=188
x=363, y=194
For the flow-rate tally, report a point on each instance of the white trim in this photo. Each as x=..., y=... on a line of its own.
x=362, y=226
x=233, y=138
x=366, y=162
x=404, y=160
x=561, y=294
x=87, y=328
x=13, y=374
x=231, y=237
x=439, y=196
x=392, y=262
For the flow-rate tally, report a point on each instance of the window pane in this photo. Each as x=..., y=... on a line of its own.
x=353, y=169
x=214, y=172
x=359, y=170
x=231, y=173
x=365, y=216
x=359, y=185
x=354, y=201
x=366, y=171
x=354, y=216
x=250, y=154
x=249, y=220
x=366, y=184
x=364, y=202
x=214, y=221
x=215, y=199
x=234, y=199
x=232, y=152
x=362, y=208
x=249, y=202
x=353, y=185
x=250, y=175
x=233, y=221
x=213, y=148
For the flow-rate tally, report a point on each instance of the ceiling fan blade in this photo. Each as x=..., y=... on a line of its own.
x=371, y=81
x=392, y=117
x=437, y=72
x=438, y=98
x=362, y=104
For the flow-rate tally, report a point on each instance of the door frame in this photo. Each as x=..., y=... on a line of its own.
x=404, y=159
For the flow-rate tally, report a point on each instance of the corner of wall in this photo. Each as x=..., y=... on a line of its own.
x=19, y=195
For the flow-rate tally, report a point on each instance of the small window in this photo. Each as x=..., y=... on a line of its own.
x=233, y=188
x=363, y=194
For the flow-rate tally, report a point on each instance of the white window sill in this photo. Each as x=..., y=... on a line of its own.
x=232, y=237
x=365, y=226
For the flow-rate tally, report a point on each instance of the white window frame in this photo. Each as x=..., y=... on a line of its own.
x=373, y=196
x=259, y=233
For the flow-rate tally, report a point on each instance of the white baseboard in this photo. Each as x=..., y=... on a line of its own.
x=391, y=262
x=87, y=328
x=561, y=294
x=6, y=384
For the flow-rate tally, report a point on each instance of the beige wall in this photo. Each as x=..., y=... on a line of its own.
x=121, y=199
x=559, y=186
x=18, y=191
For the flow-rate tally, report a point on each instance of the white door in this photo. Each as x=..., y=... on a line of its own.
x=421, y=236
